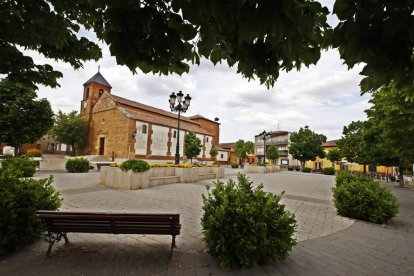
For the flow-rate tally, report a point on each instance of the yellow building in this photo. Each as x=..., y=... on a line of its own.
x=321, y=163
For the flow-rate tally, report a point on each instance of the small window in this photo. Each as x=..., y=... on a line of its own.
x=101, y=91
x=222, y=156
x=144, y=129
x=87, y=93
x=207, y=139
x=175, y=134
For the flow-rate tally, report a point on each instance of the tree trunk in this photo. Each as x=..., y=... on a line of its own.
x=73, y=150
x=387, y=175
x=365, y=168
x=16, y=148
x=302, y=165
x=191, y=160
x=400, y=172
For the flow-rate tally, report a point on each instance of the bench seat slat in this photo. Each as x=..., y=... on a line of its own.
x=113, y=217
x=115, y=226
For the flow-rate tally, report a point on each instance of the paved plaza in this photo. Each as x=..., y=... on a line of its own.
x=328, y=244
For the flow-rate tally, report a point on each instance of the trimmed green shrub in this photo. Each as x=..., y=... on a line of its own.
x=234, y=165
x=328, y=171
x=392, y=178
x=244, y=227
x=21, y=166
x=306, y=170
x=365, y=199
x=135, y=165
x=344, y=177
x=77, y=165
x=20, y=199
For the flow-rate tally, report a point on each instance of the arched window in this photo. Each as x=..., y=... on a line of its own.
x=87, y=93
x=144, y=129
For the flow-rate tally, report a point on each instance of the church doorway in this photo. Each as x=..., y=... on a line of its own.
x=101, y=146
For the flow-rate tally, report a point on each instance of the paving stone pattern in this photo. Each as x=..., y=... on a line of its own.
x=328, y=244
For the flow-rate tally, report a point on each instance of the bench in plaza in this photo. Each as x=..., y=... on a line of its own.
x=59, y=223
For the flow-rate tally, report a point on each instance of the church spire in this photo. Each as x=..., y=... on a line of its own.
x=98, y=78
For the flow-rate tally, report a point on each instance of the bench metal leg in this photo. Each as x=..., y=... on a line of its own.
x=66, y=238
x=54, y=237
x=173, y=241
x=172, y=247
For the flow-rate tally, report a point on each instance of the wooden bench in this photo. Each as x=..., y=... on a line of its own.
x=60, y=223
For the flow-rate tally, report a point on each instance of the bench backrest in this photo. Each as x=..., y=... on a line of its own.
x=116, y=223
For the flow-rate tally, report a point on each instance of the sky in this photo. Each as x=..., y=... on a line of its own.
x=324, y=97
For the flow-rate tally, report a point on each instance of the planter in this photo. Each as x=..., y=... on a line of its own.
x=116, y=178
x=261, y=169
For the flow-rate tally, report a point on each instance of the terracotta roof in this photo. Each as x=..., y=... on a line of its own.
x=162, y=120
x=218, y=148
x=98, y=78
x=227, y=145
x=331, y=143
x=134, y=104
x=202, y=117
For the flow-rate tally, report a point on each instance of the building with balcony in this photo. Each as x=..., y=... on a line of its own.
x=279, y=139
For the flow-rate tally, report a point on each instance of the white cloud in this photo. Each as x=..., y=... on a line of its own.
x=325, y=97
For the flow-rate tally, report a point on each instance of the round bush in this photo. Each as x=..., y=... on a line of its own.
x=306, y=170
x=234, y=165
x=343, y=177
x=20, y=166
x=244, y=227
x=362, y=198
x=328, y=171
x=34, y=153
x=77, y=165
x=20, y=199
x=135, y=165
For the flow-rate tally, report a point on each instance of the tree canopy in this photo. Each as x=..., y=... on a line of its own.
x=390, y=126
x=334, y=155
x=23, y=118
x=351, y=144
x=243, y=148
x=272, y=153
x=378, y=34
x=213, y=151
x=306, y=145
x=70, y=129
x=260, y=38
x=192, y=145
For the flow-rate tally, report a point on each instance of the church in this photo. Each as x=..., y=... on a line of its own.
x=128, y=129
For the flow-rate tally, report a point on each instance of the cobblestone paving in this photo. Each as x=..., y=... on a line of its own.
x=329, y=244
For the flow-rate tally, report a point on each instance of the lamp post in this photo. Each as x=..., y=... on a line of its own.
x=263, y=136
x=181, y=106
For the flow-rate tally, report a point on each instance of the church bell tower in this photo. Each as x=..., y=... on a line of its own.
x=93, y=90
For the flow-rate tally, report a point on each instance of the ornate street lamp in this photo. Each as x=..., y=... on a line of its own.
x=181, y=106
x=264, y=136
